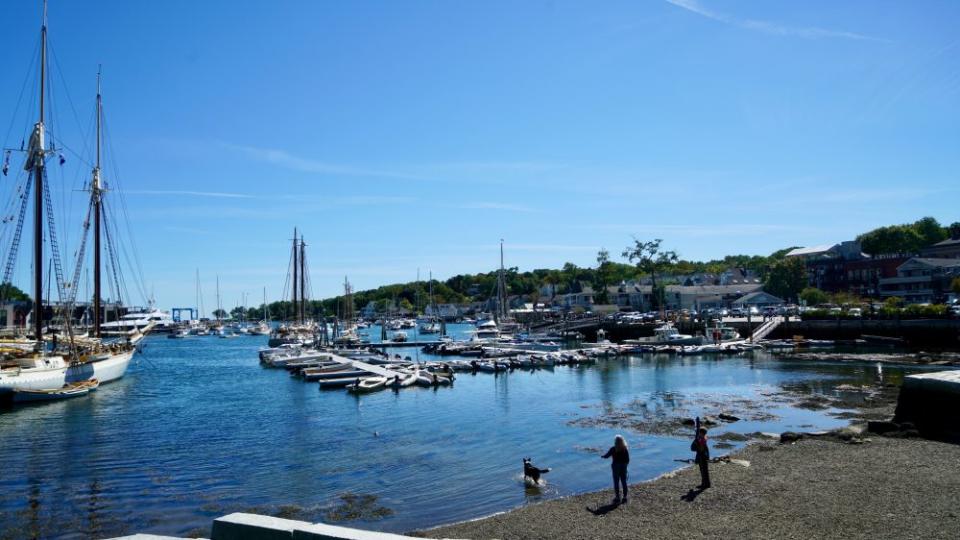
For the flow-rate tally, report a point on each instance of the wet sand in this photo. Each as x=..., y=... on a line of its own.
x=814, y=488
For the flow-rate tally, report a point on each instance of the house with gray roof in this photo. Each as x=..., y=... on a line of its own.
x=922, y=280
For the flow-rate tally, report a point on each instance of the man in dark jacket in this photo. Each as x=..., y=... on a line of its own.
x=699, y=445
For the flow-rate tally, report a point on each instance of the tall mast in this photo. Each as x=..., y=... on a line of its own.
x=501, y=288
x=218, y=298
x=303, y=279
x=35, y=162
x=295, y=311
x=95, y=191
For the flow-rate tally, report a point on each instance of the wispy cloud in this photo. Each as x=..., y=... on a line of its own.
x=550, y=247
x=499, y=206
x=185, y=193
x=286, y=160
x=373, y=200
x=499, y=166
x=768, y=27
x=697, y=230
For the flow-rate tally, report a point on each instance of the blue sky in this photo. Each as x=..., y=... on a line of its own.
x=406, y=135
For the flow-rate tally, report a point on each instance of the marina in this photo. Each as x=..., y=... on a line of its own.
x=445, y=270
x=175, y=459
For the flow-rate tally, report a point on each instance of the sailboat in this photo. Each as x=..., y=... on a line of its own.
x=263, y=327
x=43, y=367
x=298, y=331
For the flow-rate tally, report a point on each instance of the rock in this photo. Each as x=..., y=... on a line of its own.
x=790, y=437
x=689, y=422
x=728, y=417
x=882, y=426
x=708, y=421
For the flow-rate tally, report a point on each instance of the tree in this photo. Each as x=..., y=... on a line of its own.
x=10, y=293
x=219, y=314
x=786, y=278
x=894, y=302
x=651, y=260
x=601, y=276
x=813, y=296
x=905, y=238
x=955, y=285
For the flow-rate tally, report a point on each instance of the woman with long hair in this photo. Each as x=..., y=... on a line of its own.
x=621, y=458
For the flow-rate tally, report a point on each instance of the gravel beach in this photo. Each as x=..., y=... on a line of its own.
x=814, y=488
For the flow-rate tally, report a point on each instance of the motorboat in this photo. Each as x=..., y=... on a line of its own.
x=157, y=320
x=666, y=334
x=487, y=329
x=367, y=384
x=405, y=379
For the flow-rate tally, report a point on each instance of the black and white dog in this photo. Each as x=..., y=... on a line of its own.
x=532, y=473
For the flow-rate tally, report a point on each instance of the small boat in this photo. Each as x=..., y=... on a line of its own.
x=368, y=384
x=326, y=384
x=70, y=390
x=427, y=378
x=399, y=337
x=405, y=379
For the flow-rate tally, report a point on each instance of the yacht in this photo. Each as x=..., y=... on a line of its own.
x=666, y=335
x=487, y=329
x=158, y=321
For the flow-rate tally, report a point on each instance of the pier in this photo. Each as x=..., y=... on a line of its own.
x=389, y=344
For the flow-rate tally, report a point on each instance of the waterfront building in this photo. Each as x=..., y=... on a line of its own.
x=825, y=264
x=758, y=299
x=922, y=280
x=640, y=297
x=863, y=275
x=947, y=249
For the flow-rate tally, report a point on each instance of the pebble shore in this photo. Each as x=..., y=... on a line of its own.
x=814, y=488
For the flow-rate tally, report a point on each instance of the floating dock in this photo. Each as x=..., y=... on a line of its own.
x=387, y=344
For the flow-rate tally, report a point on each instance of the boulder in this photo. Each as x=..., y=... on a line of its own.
x=728, y=417
x=790, y=437
x=882, y=426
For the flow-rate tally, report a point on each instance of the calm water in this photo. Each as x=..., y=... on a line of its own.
x=198, y=429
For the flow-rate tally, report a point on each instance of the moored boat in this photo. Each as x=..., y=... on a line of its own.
x=69, y=390
x=367, y=384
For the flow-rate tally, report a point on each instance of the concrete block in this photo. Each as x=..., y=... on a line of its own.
x=930, y=401
x=322, y=531
x=240, y=526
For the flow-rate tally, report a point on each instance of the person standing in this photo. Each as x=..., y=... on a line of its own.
x=621, y=458
x=699, y=445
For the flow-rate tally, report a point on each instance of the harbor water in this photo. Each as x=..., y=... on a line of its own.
x=198, y=428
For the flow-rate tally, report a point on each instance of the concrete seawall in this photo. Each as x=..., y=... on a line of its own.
x=915, y=332
x=931, y=403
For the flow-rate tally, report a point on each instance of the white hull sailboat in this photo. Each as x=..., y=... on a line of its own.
x=50, y=369
x=105, y=367
x=34, y=373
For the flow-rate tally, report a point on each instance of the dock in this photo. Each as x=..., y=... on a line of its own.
x=357, y=364
x=387, y=344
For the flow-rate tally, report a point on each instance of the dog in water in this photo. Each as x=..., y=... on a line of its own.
x=532, y=473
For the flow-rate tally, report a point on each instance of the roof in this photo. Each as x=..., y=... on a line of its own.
x=947, y=242
x=691, y=289
x=745, y=299
x=812, y=250
x=940, y=263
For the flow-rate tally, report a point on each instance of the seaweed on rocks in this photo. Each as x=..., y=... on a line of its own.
x=354, y=506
